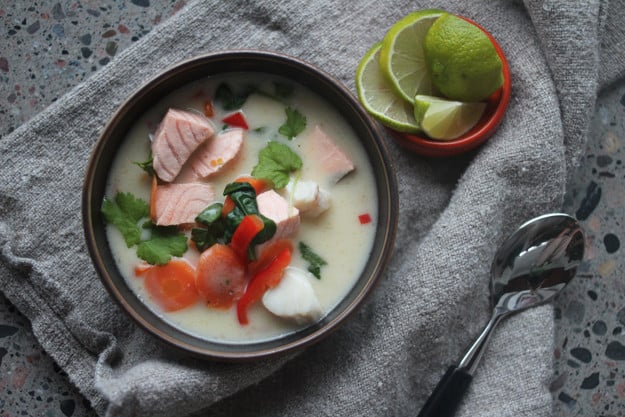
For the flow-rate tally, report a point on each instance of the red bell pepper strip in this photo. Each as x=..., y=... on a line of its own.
x=236, y=119
x=268, y=255
x=244, y=233
x=261, y=282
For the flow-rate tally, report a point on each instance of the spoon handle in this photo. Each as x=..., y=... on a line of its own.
x=448, y=393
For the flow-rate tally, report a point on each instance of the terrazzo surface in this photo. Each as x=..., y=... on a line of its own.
x=50, y=47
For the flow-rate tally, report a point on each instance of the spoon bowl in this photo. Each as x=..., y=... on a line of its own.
x=536, y=262
x=531, y=266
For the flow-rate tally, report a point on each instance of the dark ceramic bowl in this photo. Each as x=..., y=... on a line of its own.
x=496, y=107
x=184, y=73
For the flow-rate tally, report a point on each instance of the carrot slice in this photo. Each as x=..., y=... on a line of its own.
x=244, y=233
x=267, y=278
x=220, y=277
x=258, y=184
x=153, y=198
x=208, y=109
x=172, y=286
x=141, y=268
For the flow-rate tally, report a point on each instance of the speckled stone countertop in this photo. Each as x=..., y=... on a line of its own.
x=49, y=47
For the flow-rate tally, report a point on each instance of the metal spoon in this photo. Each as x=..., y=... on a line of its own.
x=535, y=263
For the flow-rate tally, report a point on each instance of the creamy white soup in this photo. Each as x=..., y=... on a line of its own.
x=339, y=229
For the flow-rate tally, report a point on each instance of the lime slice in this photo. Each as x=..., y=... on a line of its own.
x=378, y=97
x=402, y=58
x=446, y=119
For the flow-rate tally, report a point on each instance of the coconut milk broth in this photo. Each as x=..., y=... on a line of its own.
x=337, y=235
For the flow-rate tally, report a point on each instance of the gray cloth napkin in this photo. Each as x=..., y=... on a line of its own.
x=433, y=300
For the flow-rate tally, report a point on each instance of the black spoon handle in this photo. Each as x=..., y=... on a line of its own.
x=448, y=393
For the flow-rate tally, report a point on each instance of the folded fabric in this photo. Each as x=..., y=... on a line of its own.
x=433, y=300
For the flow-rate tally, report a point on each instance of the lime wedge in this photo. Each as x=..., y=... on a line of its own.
x=402, y=59
x=446, y=119
x=378, y=98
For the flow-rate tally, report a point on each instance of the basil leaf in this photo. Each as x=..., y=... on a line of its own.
x=205, y=237
x=210, y=214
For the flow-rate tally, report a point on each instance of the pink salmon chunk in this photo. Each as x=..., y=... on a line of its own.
x=177, y=137
x=216, y=152
x=276, y=208
x=333, y=160
x=181, y=203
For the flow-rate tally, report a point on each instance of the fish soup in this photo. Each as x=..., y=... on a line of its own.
x=284, y=245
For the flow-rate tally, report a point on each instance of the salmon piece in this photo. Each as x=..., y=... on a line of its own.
x=180, y=203
x=332, y=159
x=179, y=134
x=276, y=208
x=216, y=152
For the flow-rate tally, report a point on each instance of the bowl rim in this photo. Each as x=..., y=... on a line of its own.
x=195, y=346
x=475, y=137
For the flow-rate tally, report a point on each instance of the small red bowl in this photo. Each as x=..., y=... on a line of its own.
x=484, y=129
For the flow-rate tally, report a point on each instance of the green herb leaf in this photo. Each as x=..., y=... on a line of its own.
x=315, y=262
x=283, y=90
x=228, y=99
x=164, y=243
x=146, y=165
x=294, y=125
x=205, y=237
x=275, y=162
x=125, y=212
x=210, y=214
x=244, y=197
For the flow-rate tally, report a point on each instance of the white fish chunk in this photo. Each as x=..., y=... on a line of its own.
x=294, y=297
x=308, y=197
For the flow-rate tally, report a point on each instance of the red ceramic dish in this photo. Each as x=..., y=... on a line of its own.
x=495, y=109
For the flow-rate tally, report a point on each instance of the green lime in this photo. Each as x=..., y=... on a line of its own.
x=462, y=61
x=378, y=98
x=401, y=58
x=446, y=119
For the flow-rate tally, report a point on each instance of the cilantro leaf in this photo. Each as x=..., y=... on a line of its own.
x=275, y=162
x=125, y=212
x=315, y=262
x=146, y=165
x=294, y=125
x=228, y=99
x=283, y=90
x=164, y=243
